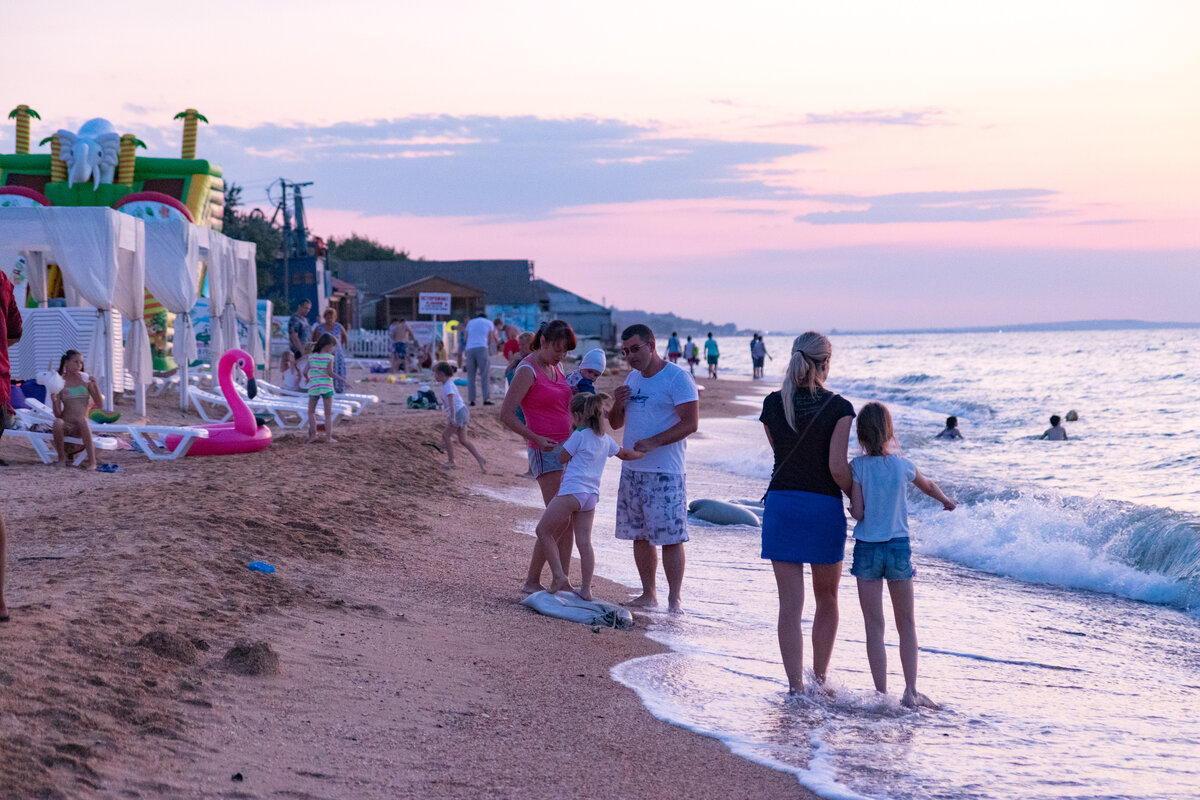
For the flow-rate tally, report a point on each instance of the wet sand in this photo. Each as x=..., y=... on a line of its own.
x=400, y=663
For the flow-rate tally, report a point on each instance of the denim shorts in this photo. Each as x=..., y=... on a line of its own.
x=890, y=560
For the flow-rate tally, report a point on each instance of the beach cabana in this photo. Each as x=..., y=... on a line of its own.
x=102, y=255
x=173, y=266
x=232, y=293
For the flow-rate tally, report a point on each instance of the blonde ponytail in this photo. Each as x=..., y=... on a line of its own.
x=810, y=352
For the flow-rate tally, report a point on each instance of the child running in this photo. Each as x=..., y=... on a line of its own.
x=457, y=415
x=319, y=374
x=71, y=409
x=585, y=453
x=881, y=548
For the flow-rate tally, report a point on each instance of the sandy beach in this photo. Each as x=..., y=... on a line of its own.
x=393, y=659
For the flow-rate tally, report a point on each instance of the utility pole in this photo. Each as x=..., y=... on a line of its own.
x=287, y=243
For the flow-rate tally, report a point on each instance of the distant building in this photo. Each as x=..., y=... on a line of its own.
x=506, y=288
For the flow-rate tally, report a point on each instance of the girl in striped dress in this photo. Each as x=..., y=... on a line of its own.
x=319, y=373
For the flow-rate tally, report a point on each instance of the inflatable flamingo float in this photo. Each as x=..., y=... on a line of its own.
x=244, y=434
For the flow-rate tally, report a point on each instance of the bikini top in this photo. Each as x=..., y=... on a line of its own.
x=74, y=392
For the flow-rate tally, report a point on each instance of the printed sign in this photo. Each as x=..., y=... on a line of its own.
x=434, y=303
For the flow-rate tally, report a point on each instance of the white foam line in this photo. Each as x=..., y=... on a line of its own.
x=819, y=777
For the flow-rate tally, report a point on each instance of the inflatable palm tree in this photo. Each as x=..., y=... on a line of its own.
x=190, y=117
x=21, y=114
x=129, y=145
x=58, y=167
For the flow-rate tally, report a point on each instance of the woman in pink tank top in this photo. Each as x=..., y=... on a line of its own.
x=540, y=389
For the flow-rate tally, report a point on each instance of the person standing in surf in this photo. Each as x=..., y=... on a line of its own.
x=659, y=407
x=808, y=428
x=881, y=547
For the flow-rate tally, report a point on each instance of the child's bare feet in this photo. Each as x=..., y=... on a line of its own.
x=330, y=440
x=451, y=465
x=675, y=607
x=585, y=592
x=88, y=465
x=561, y=584
x=312, y=437
x=531, y=588
x=914, y=699
x=482, y=464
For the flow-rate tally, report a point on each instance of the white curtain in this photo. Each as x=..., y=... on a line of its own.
x=220, y=262
x=245, y=296
x=173, y=276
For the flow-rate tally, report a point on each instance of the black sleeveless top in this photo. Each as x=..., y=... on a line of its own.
x=808, y=468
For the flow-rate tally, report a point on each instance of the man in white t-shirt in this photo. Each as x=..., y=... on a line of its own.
x=659, y=407
x=480, y=337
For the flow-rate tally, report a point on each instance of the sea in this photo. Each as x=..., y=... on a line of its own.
x=1058, y=607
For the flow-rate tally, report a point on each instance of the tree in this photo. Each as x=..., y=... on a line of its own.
x=362, y=248
x=255, y=227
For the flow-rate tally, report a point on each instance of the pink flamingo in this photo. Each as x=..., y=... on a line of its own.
x=244, y=434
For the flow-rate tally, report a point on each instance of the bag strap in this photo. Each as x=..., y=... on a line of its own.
x=799, y=440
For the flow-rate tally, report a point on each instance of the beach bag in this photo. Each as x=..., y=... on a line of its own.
x=424, y=399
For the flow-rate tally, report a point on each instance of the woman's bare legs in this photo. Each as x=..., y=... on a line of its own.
x=789, y=578
x=825, y=578
x=870, y=599
x=3, y=563
x=548, y=482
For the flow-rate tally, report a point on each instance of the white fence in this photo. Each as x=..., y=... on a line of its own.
x=362, y=343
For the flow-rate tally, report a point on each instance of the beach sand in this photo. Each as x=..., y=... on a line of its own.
x=397, y=661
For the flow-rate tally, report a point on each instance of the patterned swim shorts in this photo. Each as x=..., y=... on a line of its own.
x=652, y=506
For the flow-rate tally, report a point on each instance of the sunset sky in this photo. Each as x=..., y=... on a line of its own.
x=782, y=165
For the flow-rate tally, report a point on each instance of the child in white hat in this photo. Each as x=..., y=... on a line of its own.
x=591, y=367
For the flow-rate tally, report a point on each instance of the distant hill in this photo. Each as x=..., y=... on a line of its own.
x=663, y=324
x=1041, y=327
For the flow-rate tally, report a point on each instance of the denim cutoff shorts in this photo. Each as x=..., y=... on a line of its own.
x=890, y=560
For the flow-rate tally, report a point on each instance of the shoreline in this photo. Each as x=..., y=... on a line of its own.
x=405, y=669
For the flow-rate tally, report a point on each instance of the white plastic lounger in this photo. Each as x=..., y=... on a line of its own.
x=150, y=440
x=287, y=414
x=43, y=444
x=355, y=403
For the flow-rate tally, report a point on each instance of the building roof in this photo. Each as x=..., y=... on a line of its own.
x=563, y=301
x=434, y=283
x=504, y=282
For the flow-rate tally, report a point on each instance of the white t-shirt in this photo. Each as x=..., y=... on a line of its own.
x=589, y=454
x=885, y=509
x=451, y=399
x=650, y=410
x=477, y=332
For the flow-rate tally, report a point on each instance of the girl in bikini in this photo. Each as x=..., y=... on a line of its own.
x=71, y=408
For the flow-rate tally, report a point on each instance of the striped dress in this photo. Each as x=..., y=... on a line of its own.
x=320, y=375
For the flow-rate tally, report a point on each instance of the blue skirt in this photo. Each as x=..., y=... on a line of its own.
x=803, y=528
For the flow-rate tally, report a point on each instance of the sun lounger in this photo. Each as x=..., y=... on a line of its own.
x=355, y=403
x=43, y=444
x=149, y=440
x=287, y=414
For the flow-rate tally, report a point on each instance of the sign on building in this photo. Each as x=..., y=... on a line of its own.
x=437, y=303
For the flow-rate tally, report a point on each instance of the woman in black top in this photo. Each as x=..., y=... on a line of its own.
x=804, y=521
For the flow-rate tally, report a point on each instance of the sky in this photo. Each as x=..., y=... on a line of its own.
x=781, y=165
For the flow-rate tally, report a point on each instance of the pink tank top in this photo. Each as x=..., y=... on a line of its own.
x=547, y=404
